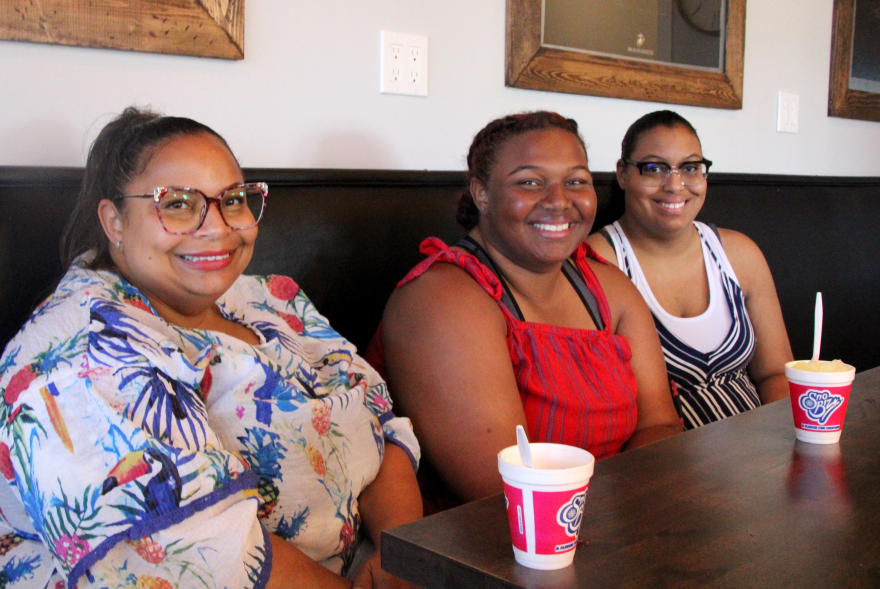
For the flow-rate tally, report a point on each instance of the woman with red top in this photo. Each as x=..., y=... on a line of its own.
x=521, y=323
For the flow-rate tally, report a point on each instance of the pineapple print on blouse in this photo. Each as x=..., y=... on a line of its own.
x=136, y=453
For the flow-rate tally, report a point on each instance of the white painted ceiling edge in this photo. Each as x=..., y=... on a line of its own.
x=307, y=93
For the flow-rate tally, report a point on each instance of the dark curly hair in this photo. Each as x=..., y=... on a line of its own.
x=483, y=153
x=119, y=154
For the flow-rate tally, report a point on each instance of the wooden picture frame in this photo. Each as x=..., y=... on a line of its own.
x=204, y=28
x=843, y=101
x=529, y=65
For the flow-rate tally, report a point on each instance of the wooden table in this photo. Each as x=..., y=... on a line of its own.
x=738, y=503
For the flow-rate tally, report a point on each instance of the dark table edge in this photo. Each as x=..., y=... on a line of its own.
x=397, y=560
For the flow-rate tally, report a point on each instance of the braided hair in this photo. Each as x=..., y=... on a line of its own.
x=120, y=153
x=483, y=153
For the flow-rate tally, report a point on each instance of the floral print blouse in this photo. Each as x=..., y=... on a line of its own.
x=140, y=454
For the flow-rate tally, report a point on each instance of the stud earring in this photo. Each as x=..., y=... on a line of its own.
x=119, y=245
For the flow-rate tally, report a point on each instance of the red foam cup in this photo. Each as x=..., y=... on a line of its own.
x=818, y=403
x=545, y=504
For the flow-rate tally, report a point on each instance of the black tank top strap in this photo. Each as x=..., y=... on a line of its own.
x=714, y=229
x=569, y=270
x=580, y=286
x=604, y=233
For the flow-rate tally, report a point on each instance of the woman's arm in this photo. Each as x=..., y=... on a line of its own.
x=391, y=500
x=292, y=569
x=657, y=418
x=449, y=371
x=773, y=350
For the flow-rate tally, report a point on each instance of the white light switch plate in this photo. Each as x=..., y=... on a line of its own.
x=404, y=64
x=788, y=113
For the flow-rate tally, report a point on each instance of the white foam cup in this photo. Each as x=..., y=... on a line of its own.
x=818, y=403
x=545, y=504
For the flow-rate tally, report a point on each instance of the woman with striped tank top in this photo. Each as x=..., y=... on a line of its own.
x=710, y=290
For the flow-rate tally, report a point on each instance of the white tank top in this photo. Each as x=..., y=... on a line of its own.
x=704, y=332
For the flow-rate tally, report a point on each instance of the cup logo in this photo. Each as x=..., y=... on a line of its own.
x=819, y=405
x=570, y=514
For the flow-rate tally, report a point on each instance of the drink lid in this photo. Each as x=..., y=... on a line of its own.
x=554, y=464
x=806, y=377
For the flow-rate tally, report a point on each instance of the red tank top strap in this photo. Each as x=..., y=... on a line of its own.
x=580, y=255
x=437, y=251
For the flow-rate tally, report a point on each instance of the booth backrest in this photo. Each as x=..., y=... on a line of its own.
x=348, y=236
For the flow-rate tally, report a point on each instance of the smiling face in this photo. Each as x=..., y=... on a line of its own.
x=181, y=275
x=539, y=203
x=672, y=207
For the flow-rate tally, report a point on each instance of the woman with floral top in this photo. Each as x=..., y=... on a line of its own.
x=169, y=422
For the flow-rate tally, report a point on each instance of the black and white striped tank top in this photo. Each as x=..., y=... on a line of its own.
x=711, y=385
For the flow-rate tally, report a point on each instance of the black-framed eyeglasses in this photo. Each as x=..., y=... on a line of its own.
x=183, y=210
x=657, y=173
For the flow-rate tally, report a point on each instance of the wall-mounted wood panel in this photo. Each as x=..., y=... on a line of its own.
x=205, y=28
x=536, y=67
x=842, y=100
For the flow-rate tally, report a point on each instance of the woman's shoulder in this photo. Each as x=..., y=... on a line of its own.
x=601, y=244
x=448, y=275
x=739, y=247
x=444, y=294
x=55, y=335
x=282, y=288
x=268, y=293
x=271, y=302
x=443, y=285
x=735, y=241
x=71, y=297
x=744, y=255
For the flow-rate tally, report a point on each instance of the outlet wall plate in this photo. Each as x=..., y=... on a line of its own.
x=403, y=64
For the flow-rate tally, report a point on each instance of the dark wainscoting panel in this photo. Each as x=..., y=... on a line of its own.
x=35, y=204
x=818, y=235
x=347, y=236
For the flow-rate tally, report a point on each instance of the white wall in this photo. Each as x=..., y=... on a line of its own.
x=306, y=94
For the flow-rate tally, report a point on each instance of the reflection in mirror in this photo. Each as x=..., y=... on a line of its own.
x=865, y=72
x=700, y=67
x=686, y=33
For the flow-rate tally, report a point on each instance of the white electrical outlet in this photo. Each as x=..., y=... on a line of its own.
x=396, y=70
x=414, y=64
x=787, y=113
x=404, y=64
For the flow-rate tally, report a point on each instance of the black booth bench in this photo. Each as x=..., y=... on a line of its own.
x=348, y=236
